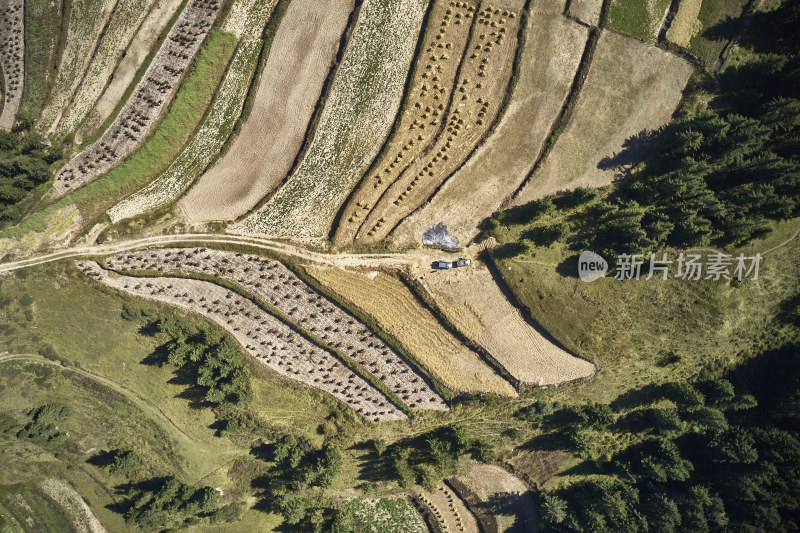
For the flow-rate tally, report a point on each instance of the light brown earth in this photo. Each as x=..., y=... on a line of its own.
x=12, y=58
x=263, y=336
x=551, y=56
x=685, y=24
x=631, y=87
x=448, y=509
x=137, y=51
x=587, y=11
x=290, y=85
x=491, y=483
x=476, y=99
x=471, y=299
x=396, y=309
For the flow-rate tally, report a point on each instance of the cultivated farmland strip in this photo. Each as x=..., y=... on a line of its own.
x=266, y=338
x=12, y=58
x=279, y=287
x=152, y=94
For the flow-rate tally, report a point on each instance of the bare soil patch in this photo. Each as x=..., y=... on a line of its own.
x=291, y=82
x=549, y=60
x=631, y=87
x=397, y=310
x=587, y=11
x=495, y=485
x=263, y=336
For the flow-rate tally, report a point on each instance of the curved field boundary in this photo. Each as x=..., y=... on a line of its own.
x=206, y=143
x=124, y=22
x=631, y=87
x=290, y=85
x=356, y=120
x=138, y=56
x=12, y=58
x=73, y=504
x=387, y=300
x=150, y=98
x=450, y=512
x=262, y=335
x=299, y=304
x=87, y=20
x=477, y=101
x=551, y=54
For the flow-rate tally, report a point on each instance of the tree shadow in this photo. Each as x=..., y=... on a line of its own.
x=513, y=504
x=634, y=150
x=637, y=397
x=102, y=459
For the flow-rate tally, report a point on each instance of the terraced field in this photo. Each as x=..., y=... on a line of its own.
x=294, y=299
x=206, y=143
x=262, y=335
x=12, y=58
x=150, y=97
x=472, y=300
x=289, y=87
x=127, y=17
x=451, y=515
x=626, y=93
x=550, y=58
x=355, y=122
x=135, y=55
x=397, y=310
x=474, y=94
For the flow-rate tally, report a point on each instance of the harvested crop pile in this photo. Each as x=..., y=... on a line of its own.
x=280, y=288
x=446, y=133
x=263, y=336
x=354, y=123
x=397, y=310
x=289, y=87
x=448, y=509
x=12, y=58
x=135, y=55
x=471, y=299
x=631, y=88
x=553, y=48
x=149, y=98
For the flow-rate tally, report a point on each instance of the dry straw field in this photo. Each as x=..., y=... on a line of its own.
x=291, y=297
x=471, y=299
x=356, y=120
x=150, y=97
x=491, y=483
x=627, y=92
x=397, y=187
x=135, y=55
x=685, y=24
x=262, y=335
x=586, y=11
x=386, y=299
x=12, y=58
x=289, y=87
x=550, y=58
